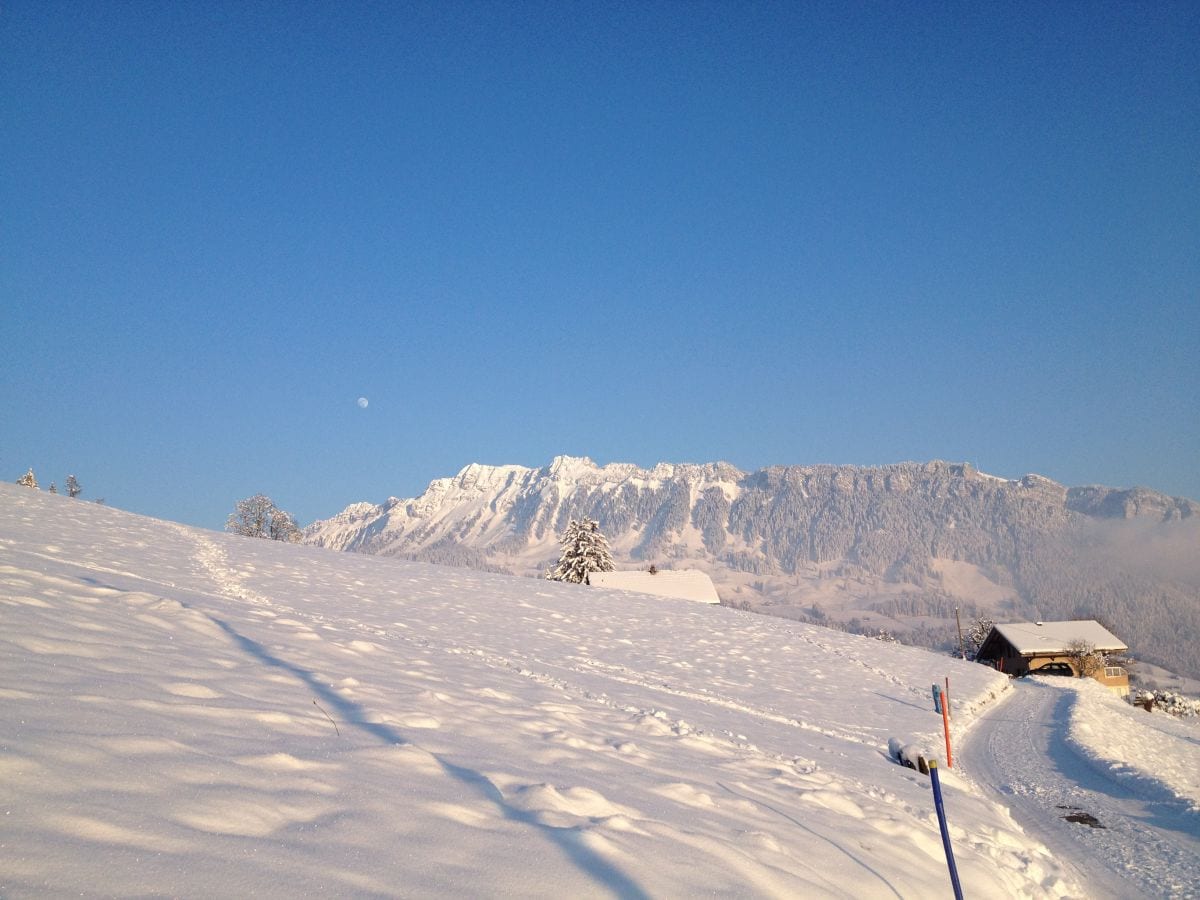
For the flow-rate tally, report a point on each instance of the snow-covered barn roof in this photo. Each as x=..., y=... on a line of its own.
x=683, y=584
x=1037, y=638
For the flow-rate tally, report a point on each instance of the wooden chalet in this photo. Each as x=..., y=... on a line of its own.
x=1022, y=648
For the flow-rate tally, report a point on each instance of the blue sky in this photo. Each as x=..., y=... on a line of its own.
x=767, y=233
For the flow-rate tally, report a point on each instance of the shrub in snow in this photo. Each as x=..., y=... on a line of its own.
x=1167, y=701
x=584, y=550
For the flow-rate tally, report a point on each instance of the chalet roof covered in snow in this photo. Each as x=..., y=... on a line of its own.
x=1040, y=638
x=684, y=584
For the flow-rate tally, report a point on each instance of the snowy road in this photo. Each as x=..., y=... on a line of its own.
x=1144, y=842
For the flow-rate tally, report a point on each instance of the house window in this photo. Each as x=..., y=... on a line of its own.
x=1114, y=672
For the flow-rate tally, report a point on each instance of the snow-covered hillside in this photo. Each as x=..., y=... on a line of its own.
x=195, y=714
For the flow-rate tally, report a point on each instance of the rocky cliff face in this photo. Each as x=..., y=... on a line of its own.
x=895, y=547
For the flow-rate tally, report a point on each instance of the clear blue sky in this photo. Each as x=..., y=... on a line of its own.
x=774, y=233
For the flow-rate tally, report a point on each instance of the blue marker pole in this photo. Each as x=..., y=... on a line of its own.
x=937, y=698
x=941, y=815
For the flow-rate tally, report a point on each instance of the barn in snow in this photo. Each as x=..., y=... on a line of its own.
x=1024, y=648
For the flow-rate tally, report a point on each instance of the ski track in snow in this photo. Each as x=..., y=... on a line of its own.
x=1148, y=845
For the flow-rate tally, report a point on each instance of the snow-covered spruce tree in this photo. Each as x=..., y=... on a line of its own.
x=259, y=517
x=73, y=488
x=28, y=480
x=53, y=488
x=584, y=550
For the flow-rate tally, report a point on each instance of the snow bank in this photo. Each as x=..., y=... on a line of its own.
x=1153, y=750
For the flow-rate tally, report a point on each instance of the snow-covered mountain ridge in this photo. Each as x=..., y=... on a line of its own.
x=897, y=547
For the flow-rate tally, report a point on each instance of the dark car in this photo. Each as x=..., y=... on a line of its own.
x=1054, y=668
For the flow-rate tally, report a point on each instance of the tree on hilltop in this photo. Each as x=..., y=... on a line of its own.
x=259, y=517
x=73, y=488
x=584, y=550
x=28, y=479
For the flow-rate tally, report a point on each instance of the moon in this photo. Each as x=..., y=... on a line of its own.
x=362, y=402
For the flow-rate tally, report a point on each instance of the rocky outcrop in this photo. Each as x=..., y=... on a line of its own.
x=1138, y=502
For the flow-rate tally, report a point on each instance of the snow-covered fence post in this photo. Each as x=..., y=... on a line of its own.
x=946, y=726
x=941, y=817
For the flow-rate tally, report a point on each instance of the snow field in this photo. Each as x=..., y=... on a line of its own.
x=191, y=713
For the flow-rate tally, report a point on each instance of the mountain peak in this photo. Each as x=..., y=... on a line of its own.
x=571, y=467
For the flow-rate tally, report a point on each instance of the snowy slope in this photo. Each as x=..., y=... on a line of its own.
x=1110, y=788
x=195, y=714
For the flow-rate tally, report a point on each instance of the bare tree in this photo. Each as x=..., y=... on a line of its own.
x=1084, y=658
x=258, y=516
